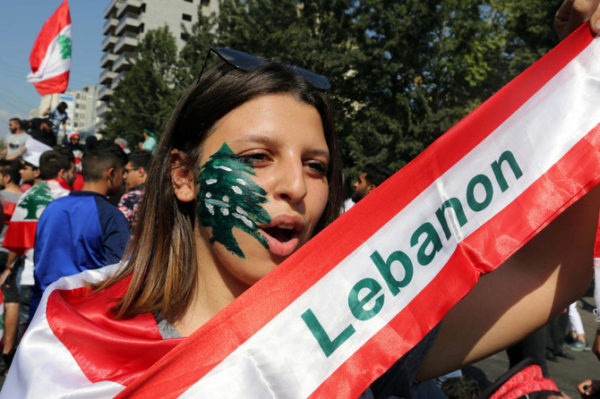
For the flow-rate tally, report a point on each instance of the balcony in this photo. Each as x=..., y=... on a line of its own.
x=117, y=79
x=107, y=60
x=129, y=5
x=128, y=23
x=101, y=110
x=105, y=93
x=112, y=8
x=109, y=43
x=122, y=63
x=109, y=26
x=106, y=77
x=128, y=42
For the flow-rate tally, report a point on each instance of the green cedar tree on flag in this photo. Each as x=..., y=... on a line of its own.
x=229, y=198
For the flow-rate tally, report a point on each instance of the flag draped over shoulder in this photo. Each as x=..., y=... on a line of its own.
x=20, y=233
x=353, y=300
x=50, y=58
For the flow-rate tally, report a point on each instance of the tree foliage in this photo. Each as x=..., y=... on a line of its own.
x=146, y=95
x=402, y=72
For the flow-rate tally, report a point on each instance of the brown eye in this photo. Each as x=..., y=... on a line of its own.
x=318, y=168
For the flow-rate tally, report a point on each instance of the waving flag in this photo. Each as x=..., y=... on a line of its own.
x=50, y=58
x=353, y=300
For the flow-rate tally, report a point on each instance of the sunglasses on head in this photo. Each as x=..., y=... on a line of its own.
x=248, y=62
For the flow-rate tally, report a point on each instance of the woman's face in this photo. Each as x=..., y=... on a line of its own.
x=251, y=223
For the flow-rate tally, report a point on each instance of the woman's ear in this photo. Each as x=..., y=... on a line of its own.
x=182, y=178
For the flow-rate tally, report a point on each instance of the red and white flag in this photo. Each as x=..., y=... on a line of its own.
x=353, y=300
x=50, y=58
x=20, y=233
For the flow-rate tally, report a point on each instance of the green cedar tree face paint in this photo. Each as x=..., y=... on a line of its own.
x=229, y=198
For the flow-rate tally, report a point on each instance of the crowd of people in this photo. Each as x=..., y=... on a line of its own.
x=66, y=208
x=246, y=171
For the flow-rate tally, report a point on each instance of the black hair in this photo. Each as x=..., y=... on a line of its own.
x=51, y=162
x=377, y=173
x=140, y=159
x=11, y=168
x=99, y=157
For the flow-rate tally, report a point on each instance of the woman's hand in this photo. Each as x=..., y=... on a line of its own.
x=589, y=388
x=572, y=13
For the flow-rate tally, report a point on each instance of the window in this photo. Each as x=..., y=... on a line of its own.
x=184, y=36
x=189, y=1
x=141, y=28
x=204, y=2
x=186, y=17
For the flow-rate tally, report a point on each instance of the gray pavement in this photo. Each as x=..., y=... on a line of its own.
x=565, y=373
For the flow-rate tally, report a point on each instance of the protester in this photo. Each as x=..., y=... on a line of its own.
x=10, y=194
x=373, y=174
x=149, y=143
x=82, y=230
x=15, y=142
x=186, y=262
x=20, y=235
x=134, y=174
x=58, y=117
x=41, y=130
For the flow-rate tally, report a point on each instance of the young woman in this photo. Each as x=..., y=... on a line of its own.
x=246, y=172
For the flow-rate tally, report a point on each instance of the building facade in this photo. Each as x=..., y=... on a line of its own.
x=124, y=26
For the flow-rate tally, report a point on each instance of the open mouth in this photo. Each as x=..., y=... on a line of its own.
x=281, y=233
x=283, y=237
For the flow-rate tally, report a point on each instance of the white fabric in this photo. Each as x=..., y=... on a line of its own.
x=575, y=323
x=53, y=63
x=37, y=372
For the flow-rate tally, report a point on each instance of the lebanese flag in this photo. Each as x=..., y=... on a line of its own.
x=50, y=58
x=20, y=233
x=356, y=298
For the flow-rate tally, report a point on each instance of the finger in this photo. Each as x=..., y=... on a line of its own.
x=595, y=20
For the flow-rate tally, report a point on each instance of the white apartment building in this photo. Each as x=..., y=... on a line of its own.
x=81, y=109
x=125, y=24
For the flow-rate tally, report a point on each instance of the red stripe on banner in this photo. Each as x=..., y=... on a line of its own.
x=56, y=84
x=231, y=327
x=20, y=236
x=51, y=28
x=581, y=164
x=122, y=349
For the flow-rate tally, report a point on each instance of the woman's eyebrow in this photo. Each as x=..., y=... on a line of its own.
x=255, y=138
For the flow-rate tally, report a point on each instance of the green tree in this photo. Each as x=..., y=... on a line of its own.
x=229, y=198
x=146, y=96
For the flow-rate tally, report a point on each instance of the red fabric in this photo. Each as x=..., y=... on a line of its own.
x=50, y=30
x=20, y=236
x=78, y=183
x=105, y=348
x=56, y=84
x=9, y=209
x=528, y=380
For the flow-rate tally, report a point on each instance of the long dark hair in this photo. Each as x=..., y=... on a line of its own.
x=162, y=254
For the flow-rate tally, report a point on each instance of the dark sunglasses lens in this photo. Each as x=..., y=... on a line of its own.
x=316, y=80
x=239, y=59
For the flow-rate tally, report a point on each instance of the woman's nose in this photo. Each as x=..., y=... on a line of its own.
x=291, y=184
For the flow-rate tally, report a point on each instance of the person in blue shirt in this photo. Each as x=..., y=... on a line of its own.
x=82, y=230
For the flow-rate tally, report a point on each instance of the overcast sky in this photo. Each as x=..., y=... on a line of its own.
x=20, y=23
